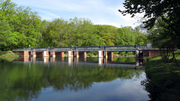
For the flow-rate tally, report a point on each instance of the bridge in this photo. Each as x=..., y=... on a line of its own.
x=80, y=51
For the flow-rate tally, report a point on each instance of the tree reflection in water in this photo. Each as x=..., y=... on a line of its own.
x=19, y=82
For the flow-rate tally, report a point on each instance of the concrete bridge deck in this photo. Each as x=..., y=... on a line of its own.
x=103, y=51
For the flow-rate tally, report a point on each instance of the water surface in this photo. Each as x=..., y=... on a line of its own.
x=65, y=79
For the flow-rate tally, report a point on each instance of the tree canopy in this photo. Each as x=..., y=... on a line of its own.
x=26, y=29
x=161, y=18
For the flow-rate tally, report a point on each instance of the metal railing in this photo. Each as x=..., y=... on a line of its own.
x=88, y=48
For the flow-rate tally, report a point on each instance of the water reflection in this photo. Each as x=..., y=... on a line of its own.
x=64, y=79
x=74, y=61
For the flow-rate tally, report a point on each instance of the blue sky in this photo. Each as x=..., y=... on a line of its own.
x=98, y=11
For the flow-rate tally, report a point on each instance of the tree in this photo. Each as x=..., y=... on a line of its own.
x=160, y=38
x=5, y=34
x=168, y=10
x=167, y=34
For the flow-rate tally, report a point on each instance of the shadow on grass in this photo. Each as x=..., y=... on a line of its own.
x=163, y=80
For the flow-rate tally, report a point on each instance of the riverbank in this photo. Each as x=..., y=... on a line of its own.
x=8, y=55
x=163, y=79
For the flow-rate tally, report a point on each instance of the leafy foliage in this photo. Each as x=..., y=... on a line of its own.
x=28, y=30
x=163, y=15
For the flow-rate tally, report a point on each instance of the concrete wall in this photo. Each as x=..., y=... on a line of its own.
x=154, y=53
x=151, y=53
x=22, y=53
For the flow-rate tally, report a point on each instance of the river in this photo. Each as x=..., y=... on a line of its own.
x=72, y=79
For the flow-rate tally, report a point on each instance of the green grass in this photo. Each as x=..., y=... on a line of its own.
x=163, y=79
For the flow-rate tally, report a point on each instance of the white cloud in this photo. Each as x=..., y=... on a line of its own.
x=49, y=14
x=99, y=11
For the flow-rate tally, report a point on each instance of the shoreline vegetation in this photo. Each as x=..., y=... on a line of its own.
x=163, y=79
x=8, y=55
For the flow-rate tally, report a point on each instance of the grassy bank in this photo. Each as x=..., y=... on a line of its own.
x=163, y=79
x=8, y=55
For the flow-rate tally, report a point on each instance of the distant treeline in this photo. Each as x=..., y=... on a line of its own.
x=22, y=28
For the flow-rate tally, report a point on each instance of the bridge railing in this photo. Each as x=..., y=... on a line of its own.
x=143, y=47
x=88, y=48
x=24, y=49
x=121, y=47
x=61, y=48
x=40, y=49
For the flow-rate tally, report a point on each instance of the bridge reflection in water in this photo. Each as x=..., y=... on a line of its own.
x=75, y=62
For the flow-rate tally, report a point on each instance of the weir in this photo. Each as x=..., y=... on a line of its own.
x=103, y=51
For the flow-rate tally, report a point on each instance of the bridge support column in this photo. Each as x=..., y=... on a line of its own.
x=105, y=54
x=42, y=54
x=59, y=54
x=82, y=54
x=110, y=55
x=100, y=54
x=45, y=54
x=76, y=54
x=26, y=53
x=137, y=53
x=141, y=54
x=52, y=54
x=32, y=54
x=70, y=53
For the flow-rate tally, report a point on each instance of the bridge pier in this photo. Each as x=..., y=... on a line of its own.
x=42, y=54
x=82, y=54
x=137, y=53
x=110, y=55
x=59, y=54
x=52, y=54
x=70, y=53
x=75, y=53
x=105, y=54
x=32, y=54
x=100, y=54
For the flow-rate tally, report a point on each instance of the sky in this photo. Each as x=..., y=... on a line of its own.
x=104, y=12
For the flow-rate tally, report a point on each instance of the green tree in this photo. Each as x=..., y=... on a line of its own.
x=168, y=10
x=5, y=34
x=159, y=35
